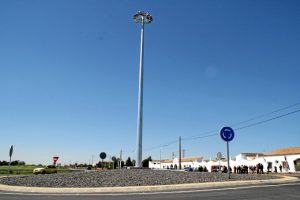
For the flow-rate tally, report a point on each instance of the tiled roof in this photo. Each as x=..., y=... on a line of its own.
x=190, y=159
x=187, y=159
x=284, y=151
x=163, y=161
x=252, y=154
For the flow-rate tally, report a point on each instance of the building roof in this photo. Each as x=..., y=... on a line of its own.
x=252, y=154
x=187, y=159
x=162, y=161
x=284, y=151
x=191, y=159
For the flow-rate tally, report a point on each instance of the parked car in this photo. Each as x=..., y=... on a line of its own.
x=50, y=169
x=217, y=168
x=188, y=169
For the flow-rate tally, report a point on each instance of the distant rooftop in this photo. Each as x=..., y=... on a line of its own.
x=186, y=159
x=252, y=154
x=284, y=151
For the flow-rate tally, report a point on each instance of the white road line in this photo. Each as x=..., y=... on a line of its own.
x=148, y=193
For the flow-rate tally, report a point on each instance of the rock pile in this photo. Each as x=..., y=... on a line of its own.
x=124, y=177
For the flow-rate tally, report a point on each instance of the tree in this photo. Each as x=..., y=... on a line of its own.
x=115, y=162
x=200, y=169
x=3, y=163
x=22, y=163
x=128, y=162
x=145, y=163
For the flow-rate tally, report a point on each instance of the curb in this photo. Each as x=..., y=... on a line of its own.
x=153, y=188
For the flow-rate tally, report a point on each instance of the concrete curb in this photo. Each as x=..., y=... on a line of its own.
x=154, y=188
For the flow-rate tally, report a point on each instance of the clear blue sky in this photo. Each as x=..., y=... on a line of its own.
x=69, y=76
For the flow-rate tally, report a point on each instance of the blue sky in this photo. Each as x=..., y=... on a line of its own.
x=69, y=77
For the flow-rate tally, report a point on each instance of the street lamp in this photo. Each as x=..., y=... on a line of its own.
x=143, y=18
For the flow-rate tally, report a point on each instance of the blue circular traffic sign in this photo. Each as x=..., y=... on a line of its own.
x=227, y=134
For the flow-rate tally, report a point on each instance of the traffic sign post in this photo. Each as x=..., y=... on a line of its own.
x=11, y=150
x=227, y=134
x=102, y=156
x=55, y=159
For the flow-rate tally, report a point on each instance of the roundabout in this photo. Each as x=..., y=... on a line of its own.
x=132, y=181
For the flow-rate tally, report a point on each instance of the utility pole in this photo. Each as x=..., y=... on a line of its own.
x=160, y=158
x=120, y=162
x=183, y=153
x=179, y=159
x=141, y=17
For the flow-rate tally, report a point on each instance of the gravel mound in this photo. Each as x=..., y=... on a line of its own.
x=125, y=177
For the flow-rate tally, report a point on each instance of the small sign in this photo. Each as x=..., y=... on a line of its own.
x=55, y=159
x=11, y=150
x=102, y=155
x=227, y=134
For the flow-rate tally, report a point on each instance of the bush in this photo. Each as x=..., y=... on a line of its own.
x=200, y=169
x=128, y=162
x=145, y=163
x=13, y=163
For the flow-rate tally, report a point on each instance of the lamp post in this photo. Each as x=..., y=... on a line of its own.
x=160, y=158
x=143, y=18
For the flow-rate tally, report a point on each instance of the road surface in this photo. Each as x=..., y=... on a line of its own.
x=288, y=191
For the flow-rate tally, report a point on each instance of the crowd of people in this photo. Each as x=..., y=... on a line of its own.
x=258, y=168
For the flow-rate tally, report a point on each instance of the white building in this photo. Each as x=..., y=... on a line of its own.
x=173, y=164
x=286, y=159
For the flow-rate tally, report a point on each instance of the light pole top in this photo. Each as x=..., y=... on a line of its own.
x=143, y=17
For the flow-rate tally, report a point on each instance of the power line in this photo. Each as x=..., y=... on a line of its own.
x=162, y=145
x=199, y=136
x=247, y=126
x=267, y=120
x=215, y=132
x=266, y=114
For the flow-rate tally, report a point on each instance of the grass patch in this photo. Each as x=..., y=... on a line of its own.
x=25, y=169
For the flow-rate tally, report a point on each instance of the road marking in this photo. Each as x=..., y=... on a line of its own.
x=149, y=193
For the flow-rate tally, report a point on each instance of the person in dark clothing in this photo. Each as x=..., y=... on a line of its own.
x=280, y=168
x=257, y=168
x=261, y=168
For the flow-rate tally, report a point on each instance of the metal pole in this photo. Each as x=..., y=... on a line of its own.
x=8, y=171
x=140, y=102
x=160, y=158
x=120, y=163
x=228, y=166
x=92, y=160
x=179, y=167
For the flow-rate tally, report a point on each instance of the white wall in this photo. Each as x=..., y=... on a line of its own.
x=275, y=160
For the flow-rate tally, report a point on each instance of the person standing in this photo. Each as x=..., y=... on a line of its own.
x=280, y=168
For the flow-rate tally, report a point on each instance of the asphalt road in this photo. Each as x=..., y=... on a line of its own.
x=267, y=192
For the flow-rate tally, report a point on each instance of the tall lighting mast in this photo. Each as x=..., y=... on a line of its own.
x=143, y=18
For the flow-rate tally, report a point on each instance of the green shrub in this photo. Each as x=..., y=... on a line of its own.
x=200, y=169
